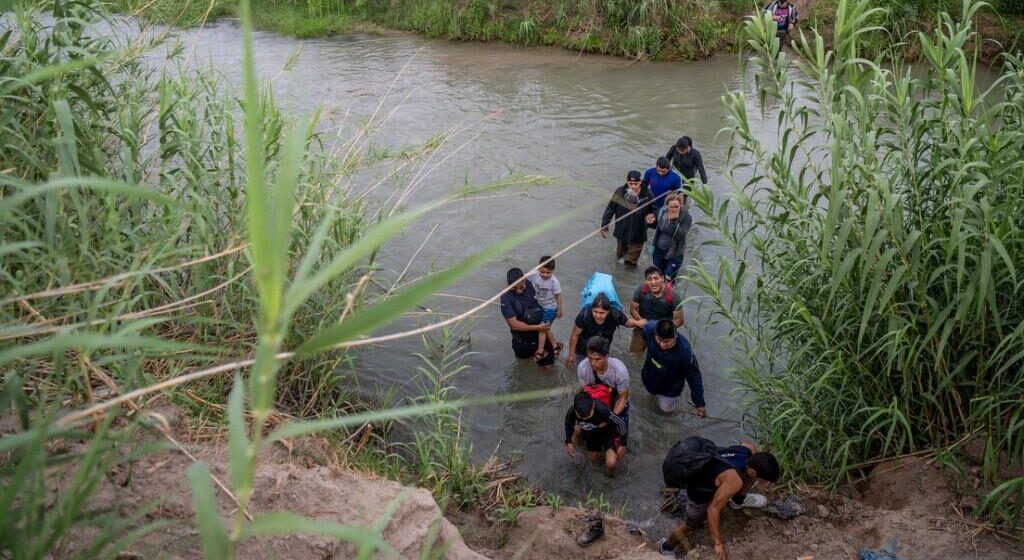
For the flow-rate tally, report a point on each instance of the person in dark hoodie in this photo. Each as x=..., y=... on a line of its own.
x=687, y=160
x=629, y=207
x=669, y=366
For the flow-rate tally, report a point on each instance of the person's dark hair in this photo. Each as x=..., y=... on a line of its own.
x=665, y=329
x=547, y=262
x=582, y=402
x=601, y=301
x=653, y=269
x=684, y=142
x=513, y=275
x=765, y=465
x=598, y=345
x=663, y=162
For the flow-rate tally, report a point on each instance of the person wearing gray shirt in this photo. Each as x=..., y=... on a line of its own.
x=599, y=368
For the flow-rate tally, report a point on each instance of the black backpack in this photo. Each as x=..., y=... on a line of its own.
x=686, y=459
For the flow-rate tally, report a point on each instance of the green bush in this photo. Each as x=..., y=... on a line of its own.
x=876, y=278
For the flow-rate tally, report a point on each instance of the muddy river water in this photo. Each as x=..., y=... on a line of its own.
x=582, y=121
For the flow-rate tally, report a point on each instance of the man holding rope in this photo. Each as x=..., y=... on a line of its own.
x=630, y=227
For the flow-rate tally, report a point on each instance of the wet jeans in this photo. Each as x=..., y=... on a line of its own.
x=669, y=268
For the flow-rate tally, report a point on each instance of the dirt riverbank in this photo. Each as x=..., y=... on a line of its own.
x=909, y=501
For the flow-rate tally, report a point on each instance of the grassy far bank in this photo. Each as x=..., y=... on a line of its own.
x=644, y=29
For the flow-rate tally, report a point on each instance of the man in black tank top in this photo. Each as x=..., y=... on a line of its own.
x=718, y=482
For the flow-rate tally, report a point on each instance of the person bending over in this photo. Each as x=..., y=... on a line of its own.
x=591, y=421
x=722, y=480
x=611, y=373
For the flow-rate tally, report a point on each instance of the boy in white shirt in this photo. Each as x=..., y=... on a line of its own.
x=549, y=296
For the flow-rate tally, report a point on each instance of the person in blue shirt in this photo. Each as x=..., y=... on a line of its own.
x=669, y=366
x=662, y=180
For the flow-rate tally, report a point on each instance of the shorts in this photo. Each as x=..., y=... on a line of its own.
x=600, y=440
x=667, y=404
x=695, y=515
x=550, y=314
x=527, y=348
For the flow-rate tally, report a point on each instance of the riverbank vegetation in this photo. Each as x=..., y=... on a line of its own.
x=643, y=29
x=876, y=256
x=169, y=238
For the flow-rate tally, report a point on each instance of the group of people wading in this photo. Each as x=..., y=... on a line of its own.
x=652, y=210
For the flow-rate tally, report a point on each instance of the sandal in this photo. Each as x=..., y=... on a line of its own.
x=558, y=349
x=540, y=355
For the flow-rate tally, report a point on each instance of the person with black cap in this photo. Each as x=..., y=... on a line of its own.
x=629, y=207
x=525, y=318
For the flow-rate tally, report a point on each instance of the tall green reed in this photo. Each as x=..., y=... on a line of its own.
x=166, y=249
x=875, y=249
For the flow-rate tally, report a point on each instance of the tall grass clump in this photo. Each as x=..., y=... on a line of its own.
x=876, y=260
x=157, y=231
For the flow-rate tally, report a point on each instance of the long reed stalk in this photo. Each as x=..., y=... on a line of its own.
x=876, y=252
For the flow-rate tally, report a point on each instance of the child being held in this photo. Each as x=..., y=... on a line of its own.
x=549, y=296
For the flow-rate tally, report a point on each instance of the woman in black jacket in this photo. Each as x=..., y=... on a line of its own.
x=630, y=229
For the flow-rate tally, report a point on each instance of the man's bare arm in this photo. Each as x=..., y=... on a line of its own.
x=729, y=484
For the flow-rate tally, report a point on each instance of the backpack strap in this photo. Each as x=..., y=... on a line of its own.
x=646, y=291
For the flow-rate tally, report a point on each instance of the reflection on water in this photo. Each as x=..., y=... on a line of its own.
x=582, y=120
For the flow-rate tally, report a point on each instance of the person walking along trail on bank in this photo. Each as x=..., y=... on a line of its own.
x=669, y=366
x=630, y=227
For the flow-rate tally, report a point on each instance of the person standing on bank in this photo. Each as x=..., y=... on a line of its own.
x=668, y=244
x=629, y=207
x=598, y=318
x=662, y=180
x=652, y=301
x=670, y=365
x=525, y=318
x=687, y=160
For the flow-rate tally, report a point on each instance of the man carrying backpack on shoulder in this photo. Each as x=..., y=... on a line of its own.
x=652, y=301
x=713, y=477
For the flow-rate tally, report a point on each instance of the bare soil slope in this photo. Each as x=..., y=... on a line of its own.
x=909, y=500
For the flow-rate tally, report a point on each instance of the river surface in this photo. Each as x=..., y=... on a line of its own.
x=582, y=121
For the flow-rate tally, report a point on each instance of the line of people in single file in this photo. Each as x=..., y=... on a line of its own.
x=598, y=418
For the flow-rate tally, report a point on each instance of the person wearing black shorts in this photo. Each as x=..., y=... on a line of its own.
x=601, y=431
